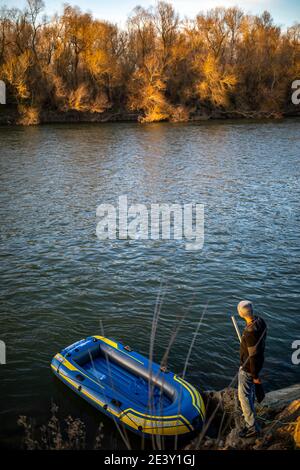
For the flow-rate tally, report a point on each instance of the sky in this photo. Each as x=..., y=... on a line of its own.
x=284, y=12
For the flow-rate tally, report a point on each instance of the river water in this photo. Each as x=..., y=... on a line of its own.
x=59, y=281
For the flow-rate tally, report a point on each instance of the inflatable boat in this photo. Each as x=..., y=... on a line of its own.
x=124, y=385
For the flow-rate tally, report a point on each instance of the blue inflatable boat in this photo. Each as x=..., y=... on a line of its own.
x=124, y=385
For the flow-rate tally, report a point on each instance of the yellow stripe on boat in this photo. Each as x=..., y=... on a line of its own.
x=115, y=345
x=142, y=418
x=196, y=397
x=155, y=426
x=69, y=365
x=111, y=343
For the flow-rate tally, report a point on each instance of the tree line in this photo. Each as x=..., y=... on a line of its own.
x=159, y=67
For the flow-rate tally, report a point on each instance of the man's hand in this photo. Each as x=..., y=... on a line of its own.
x=257, y=381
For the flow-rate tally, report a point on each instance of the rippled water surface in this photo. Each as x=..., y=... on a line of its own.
x=58, y=280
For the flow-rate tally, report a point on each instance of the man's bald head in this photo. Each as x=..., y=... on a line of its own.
x=245, y=309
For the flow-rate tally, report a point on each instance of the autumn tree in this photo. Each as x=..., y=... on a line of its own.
x=158, y=66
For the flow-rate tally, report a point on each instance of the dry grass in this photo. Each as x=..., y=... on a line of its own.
x=68, y=434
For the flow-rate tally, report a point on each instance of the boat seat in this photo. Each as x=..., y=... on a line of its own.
x=82, y=357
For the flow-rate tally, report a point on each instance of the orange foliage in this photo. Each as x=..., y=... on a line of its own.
x=158, y=66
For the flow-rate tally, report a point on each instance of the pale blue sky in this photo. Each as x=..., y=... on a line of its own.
x=285, y=12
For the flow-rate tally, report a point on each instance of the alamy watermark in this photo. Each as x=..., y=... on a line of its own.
x=296, y=93
x=2, y=353
x=296, y=353
x=2, y=92
x=152, y=222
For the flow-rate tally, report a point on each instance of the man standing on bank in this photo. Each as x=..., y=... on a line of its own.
x=251, y=362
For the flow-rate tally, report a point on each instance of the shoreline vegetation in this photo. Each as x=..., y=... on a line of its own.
x=223, y=64
x=11, y=116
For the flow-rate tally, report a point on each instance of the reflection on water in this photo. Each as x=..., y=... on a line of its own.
x=58, y=280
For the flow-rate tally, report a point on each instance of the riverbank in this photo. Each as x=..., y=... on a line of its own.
x=10, y=115
x=278, y=414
